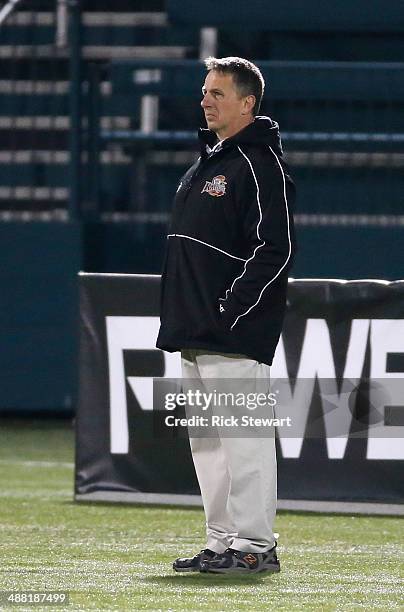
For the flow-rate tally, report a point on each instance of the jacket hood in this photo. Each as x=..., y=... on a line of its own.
x=262, y=131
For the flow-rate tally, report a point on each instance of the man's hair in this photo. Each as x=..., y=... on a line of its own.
x=246, y=75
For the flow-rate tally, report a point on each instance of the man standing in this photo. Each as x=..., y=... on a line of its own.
x=224, y=284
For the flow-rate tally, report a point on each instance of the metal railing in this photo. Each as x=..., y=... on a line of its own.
x=341, y=134
x=75, y=144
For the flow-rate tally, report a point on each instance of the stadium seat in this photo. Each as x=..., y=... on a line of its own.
x=34, y=91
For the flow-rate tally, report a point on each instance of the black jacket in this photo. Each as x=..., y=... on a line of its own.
x=230, y=246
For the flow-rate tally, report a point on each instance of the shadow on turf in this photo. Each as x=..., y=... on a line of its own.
x=208, y=580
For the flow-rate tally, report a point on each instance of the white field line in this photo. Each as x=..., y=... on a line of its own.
x=63, y=464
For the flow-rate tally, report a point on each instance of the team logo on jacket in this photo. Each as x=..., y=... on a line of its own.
x=216, y=187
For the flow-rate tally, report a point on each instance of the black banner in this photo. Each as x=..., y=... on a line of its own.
x=340, y=360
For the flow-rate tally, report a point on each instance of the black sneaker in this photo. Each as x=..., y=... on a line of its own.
x=239, y=562
x=192, y=564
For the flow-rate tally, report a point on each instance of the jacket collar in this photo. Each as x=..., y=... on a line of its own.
x=263, y=131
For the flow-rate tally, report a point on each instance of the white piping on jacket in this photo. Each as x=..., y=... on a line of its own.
x=206, y=244
x=259, y=237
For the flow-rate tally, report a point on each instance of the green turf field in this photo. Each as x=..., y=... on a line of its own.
x=118, y=557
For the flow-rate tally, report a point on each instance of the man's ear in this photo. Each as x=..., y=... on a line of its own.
x=249, y=103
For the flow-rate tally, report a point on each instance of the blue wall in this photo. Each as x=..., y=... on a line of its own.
x=38, y=315
x=39, y=300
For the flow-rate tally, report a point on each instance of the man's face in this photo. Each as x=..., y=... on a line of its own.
x=226, y=112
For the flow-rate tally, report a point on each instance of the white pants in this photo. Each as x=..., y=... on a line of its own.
x=236, y=475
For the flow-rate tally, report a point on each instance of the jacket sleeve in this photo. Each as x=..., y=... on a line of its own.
x=266, y=195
